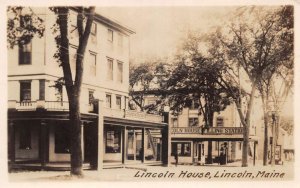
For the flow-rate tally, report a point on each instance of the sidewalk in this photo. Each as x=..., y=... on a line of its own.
x=138, y=174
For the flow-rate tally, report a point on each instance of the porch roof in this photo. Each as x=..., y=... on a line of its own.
x=132, y=123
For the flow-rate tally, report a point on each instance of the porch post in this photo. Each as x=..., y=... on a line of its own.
x=43, y=146
x=143, y=145
x=219, y=153
x=11, y=141
x=82, y=140
x=124, y=145
x=254, y=153
x=166, y=141
x=134, y=145
x=100, y=135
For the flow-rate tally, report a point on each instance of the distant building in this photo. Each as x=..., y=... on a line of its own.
x=38, y=112
x=189, y=139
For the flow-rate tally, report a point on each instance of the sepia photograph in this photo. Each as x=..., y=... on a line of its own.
x=149, y=93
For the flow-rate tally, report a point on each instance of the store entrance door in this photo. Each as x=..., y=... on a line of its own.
x=201, y=157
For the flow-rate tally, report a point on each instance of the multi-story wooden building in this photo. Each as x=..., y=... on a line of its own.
x=38, y=114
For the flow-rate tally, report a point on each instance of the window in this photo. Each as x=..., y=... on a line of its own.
x=91, y=96
x=120, y=72
x=108, y=101
x=120, y=40
x=110, y=35
x=110, y=64
x=193, y=122
x=220, y=121
x=151, y=101
x=93, y=60
x=42, y=89
x=175, y=122
x=25, y=138
x=62, y=139
x=25, y=91
x=25, y=54
x=94, y=29
x=182, y=149
x=59, y=93
x=119, y=102
x=26, y=47
x=194, y=104
x=113, y=141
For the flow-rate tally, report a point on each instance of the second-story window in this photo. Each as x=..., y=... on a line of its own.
x=193, y=122
x=119, y=102
x=108, y=101
x=175, y=122
x=93, y=60
x=59, y=93
x=110, y=35
x=120, y=72
x=220, y=122
x=25, y=91
x=91, y=96
x=25, y=54
x=94, y=29
x=110, y=68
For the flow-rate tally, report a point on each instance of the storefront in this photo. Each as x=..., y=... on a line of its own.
x=190, y=144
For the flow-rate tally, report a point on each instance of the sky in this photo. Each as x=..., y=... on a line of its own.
x=159, y=30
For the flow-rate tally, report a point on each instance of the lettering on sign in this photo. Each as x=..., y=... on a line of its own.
x=210, y=131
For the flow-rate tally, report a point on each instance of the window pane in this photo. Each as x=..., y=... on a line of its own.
x=42, y=89
x=93, y=60
x=62, y=139
x=119, y=102
x=220, y=121
x=25, y=138
x=113, y=141
x=94, y=29
x=25, y=54
x=110, y=35
x=25, y=91
x=175, y=122
x=91, y=97
x=193, y=122
x=108, y=101
x=109, y=69
x=120, y=72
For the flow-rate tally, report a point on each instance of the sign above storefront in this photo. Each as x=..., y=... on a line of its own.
x=210, y=131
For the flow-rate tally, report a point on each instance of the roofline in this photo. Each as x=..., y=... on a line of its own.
x=109, y=22
x=114, y=24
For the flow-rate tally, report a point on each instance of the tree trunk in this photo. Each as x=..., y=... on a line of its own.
x=246, y=128
x=209, y=146
x=266, y=136
x=76, y=152
x=266, y=139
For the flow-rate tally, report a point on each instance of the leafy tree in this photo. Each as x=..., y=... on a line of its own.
x=260, y=44
x=194, y=81
x=145, y=79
